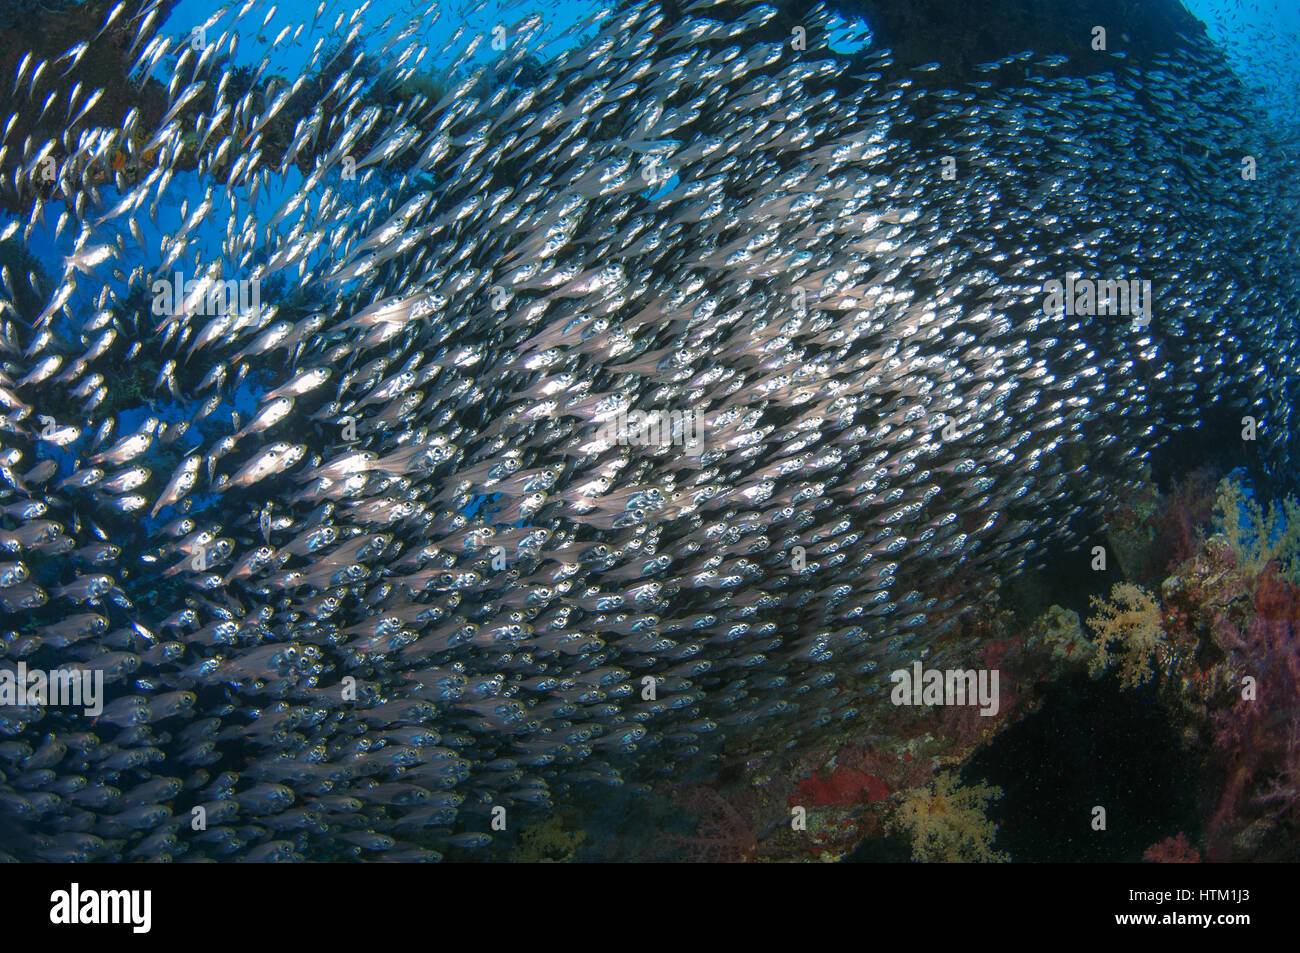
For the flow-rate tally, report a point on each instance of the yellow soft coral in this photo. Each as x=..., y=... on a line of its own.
x=1257, y=537
x=946, y=822
x=548, y=841
x=1131, y=621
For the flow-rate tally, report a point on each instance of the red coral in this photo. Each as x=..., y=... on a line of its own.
x=1172, y=850
x=892, y=771
x=842, y=786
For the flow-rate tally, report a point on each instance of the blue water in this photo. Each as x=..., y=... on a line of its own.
x=1262, y=41
x=1260, y=37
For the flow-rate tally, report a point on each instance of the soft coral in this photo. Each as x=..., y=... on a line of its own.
x=728, y=826
x=1258, y=738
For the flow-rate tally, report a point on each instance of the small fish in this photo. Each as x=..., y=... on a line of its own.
x=276, y=458
x=128, y=448
x=270, y=414
x=179, y=485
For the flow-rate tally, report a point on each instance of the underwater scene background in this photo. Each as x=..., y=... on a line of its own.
x=658, y=431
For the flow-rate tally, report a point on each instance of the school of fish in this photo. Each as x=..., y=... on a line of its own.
x=420, y=579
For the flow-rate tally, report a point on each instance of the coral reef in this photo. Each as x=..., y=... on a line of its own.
x=550, y=840
x=1218, y=649
x=1221, y=643
x=1131, y=621
x=1150, y=533
x=1259, y=537
x=1061, y=630
x=1172, y=850
x=1257, y=739
x=946, y=821
x=1226, y=639
x=729, y=824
